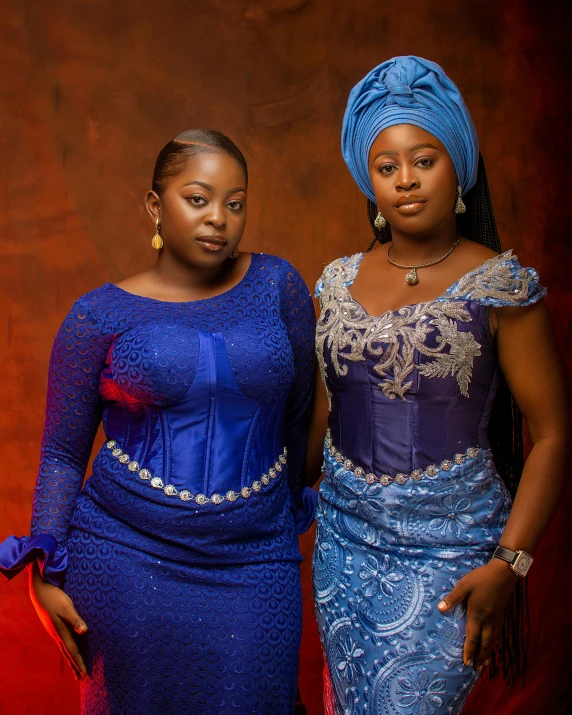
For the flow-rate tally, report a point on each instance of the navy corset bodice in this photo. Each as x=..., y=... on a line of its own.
x=414, y=387
x=199, y=414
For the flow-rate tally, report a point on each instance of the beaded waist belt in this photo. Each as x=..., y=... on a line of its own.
x=185, y=495
x=401, y=478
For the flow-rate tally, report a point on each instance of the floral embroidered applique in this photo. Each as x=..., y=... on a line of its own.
x=348, y=331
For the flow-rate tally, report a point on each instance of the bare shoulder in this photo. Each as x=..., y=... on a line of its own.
x=474, y=252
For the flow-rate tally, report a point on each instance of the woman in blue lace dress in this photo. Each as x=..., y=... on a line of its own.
x=177, y=563
x=413, y=339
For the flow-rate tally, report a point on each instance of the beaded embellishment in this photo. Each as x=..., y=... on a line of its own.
x=385, y=480
x=185, y=494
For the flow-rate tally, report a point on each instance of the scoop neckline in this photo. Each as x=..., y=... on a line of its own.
x=196, y=300
x=446, y=292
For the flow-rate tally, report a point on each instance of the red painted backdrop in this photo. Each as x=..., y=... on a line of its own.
x=91, y=89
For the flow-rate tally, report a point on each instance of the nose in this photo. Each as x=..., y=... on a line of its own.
x=406, y=179
x=215, y=216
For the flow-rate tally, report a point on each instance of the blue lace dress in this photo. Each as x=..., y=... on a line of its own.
x=411, y=500
x=181, y=550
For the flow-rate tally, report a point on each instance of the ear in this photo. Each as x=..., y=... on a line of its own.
x=153, y=205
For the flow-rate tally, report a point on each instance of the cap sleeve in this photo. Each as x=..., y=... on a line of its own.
x=501, y=281
x=342, y=271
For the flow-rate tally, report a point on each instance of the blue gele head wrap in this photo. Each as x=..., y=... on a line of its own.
x=408, y=90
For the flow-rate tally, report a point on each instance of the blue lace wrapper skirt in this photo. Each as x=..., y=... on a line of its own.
x=384, y=557
x=176, y=626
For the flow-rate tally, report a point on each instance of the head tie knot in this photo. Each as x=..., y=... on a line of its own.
x=408, y=90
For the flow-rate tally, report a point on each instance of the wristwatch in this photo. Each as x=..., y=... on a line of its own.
x=518, y=561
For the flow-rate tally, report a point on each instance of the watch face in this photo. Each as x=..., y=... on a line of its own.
x=522, y=563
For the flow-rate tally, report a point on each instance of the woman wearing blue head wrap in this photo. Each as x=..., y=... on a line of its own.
x=418, y=548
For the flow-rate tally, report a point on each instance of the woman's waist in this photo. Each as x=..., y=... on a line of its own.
x=412, y=463
x=461, y=502
x=229, y=477
x=239, y=528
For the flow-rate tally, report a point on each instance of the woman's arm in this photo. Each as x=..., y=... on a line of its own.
x=316, y=433
x=73, y=413
x=533, y=368
x=300, y=320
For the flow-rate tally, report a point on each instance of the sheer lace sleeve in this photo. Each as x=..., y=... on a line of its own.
x=299, y=317
x=73, y=413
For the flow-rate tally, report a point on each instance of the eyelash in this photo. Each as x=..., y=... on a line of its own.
x=392, y=166
x=202, y=202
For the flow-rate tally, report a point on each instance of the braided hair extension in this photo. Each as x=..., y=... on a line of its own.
x=505, y=432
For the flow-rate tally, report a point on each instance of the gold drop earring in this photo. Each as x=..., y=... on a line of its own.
x=460, y=207
x=380, y=221
x=157, y=241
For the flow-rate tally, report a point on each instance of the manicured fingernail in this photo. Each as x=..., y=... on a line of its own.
x=487, y=662
x=468, y=662
x=442, y=605
x=480, y=668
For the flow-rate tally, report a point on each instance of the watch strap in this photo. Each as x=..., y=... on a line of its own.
x=504, y=554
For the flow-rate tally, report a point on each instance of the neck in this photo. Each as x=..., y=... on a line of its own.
x=170, y=271
x=417, y=248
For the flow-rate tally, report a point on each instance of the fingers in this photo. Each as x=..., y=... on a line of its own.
x=70, y=646
x=485, y=648
x=461, y=591
x=70, y=661
x=472, y=639
x=70, y=615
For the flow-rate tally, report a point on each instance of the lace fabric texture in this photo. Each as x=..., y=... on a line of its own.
x=411, y=500
x=189, y=609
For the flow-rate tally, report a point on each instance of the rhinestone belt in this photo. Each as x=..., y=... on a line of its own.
x=185, y=494
x=401, y=478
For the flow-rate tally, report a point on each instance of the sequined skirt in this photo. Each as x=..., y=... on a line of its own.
x=384, y=557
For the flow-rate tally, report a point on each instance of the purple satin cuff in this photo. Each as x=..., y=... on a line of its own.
x=16, y=554
x=303, y=504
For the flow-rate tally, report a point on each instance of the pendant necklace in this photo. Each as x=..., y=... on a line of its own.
x=411, y=277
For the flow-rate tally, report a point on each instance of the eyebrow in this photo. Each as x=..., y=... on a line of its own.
x=234, y=190
x=389, y=152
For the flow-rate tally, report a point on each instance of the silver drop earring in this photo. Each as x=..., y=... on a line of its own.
x=380, y=221
x=460, y=207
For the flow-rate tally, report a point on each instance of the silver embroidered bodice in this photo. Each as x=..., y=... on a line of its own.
x=415, y=386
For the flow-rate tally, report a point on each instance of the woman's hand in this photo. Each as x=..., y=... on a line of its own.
x=486, y=590
x=59, y=617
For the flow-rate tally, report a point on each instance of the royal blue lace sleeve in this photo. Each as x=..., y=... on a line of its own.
x=299, y=317
x=73, y=413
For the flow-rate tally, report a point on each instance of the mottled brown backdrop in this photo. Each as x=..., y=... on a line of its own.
x=90, y=90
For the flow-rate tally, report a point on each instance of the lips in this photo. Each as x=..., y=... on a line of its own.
x=211, y=242
x=410, y=204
